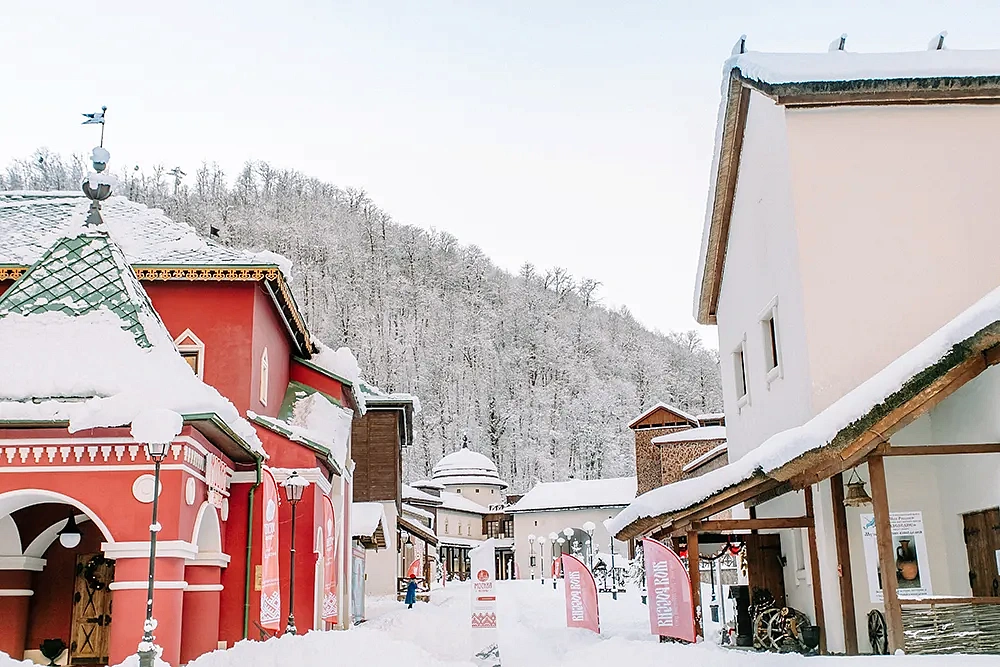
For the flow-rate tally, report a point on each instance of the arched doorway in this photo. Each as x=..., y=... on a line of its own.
x=54, y=589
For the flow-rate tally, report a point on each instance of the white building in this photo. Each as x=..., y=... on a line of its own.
x=844, y=263
x=472, y=499
x=552, y=507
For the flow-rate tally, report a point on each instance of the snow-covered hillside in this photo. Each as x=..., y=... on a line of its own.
x=530, y=367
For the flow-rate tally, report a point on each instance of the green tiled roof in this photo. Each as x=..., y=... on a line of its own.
x=295, y=392
x=78, y=275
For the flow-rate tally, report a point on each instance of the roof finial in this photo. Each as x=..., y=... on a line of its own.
x=96, y=119
x=839, y=43
x=740, y=46
x=98, y=185
x=937, y=44
x=465, y=441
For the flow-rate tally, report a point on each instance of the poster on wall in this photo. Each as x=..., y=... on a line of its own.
x=358, y=584
x=485, y=649
x=913, y=575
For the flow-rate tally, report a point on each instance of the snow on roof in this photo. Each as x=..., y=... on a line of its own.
x=467, y=467
x=411, y=493
x=710, y=415
x=366, y=519
x=696, y=463
x=342, y=364
x=577, y=493
x=315, y=420
x=664, y=406
x=452, y=541
x=96, y=354
x=416, y=511
x=427, y=484
x=459, y=503
x=820, y=431
x=692, y=435
x=779, y=68
x=30, y=222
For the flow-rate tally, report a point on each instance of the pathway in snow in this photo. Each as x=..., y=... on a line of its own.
x=532, y=634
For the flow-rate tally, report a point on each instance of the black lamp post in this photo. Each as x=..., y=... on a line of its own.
x=614, y=573
x=541, y=557
x=294, y=486
x=147, y=651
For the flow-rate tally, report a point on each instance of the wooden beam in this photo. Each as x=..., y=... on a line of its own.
x=723, y=525
x=817, y=585
x=844, y=565
x=937, y=450
x=695, y=574
x=886, y=555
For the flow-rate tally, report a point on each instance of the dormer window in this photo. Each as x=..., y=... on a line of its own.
x=192, y=350
x=263, y=377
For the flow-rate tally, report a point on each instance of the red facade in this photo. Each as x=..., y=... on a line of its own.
x=203, y=578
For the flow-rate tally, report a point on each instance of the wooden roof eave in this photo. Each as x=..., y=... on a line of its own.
x=854, y=443
x=734, y=123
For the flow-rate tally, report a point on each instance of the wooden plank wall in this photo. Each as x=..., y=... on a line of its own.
x=375, y=447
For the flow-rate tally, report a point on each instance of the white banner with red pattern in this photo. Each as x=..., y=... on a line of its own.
x=485, y=649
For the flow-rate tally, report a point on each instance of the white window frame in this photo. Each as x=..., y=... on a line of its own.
x=264, y=378
x=739, y=357
x=767, y=316
x=195, y=345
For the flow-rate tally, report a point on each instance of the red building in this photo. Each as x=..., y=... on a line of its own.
x=101, y=321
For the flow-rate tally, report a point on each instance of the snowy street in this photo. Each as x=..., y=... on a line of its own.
x=532, y=633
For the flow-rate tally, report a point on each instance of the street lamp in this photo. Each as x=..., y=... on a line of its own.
x=70, y=536
x=531, y=556
x=589, y=528
x=294, y=486
x=614, y=575
x=147, y=651
x=553, y=540
x=541, y=557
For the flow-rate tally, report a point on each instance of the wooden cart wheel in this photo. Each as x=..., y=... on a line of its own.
x=762, y=634
x=877, y=635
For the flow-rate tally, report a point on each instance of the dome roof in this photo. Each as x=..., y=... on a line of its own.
x=467, y=467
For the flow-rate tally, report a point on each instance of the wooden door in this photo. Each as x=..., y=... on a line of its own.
x=982, y=539
x=765, y=566
x=91, y=610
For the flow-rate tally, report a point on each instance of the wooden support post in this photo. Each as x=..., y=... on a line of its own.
x=694, y=573
x=844, y=564
x=817, y=585
x=886, y=554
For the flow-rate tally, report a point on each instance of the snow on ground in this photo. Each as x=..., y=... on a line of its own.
x=532, y=633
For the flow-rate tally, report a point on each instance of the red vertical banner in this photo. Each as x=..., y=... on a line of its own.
x=415, y=570
x=331, y=604
x=671, y=605
x=581, y=595
x=270, y=592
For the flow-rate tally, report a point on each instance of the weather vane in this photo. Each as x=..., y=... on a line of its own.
x=96, y=119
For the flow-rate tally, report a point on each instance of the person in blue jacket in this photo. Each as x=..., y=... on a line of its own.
x=411, y=593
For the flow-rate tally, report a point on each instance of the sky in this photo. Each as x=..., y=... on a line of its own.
x=573, y=134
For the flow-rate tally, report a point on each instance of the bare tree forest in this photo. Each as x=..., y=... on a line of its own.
x=528, y=368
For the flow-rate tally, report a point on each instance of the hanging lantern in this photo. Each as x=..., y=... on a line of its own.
x=856, y=495
x=683, y=553
x=734, y=549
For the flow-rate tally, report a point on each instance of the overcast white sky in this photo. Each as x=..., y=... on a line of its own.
x=576, y=134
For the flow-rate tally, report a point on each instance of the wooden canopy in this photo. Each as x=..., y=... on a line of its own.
x=851, y=445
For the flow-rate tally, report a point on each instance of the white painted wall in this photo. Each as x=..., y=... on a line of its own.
x=479, y=493
x=894, y=209
x=544, y=523
x=382, y=566
x=450, y=520
x=762, y=265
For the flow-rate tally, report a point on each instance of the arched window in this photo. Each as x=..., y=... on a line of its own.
x=263, y=377
x=192, y=350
